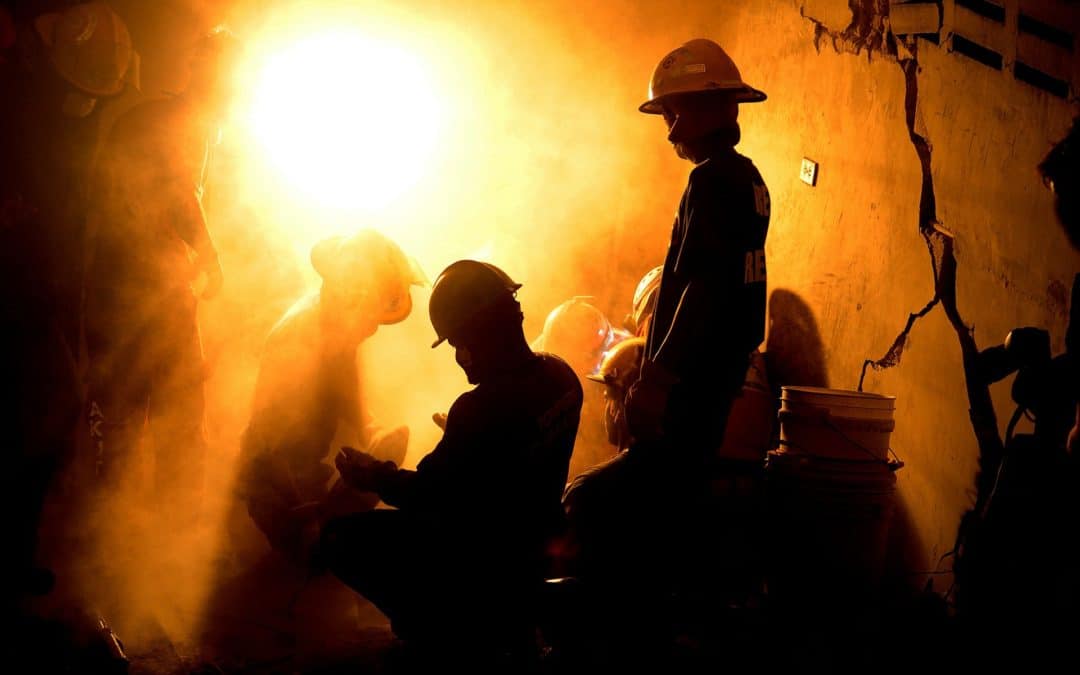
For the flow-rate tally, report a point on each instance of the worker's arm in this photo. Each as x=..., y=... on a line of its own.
x=435, y=479
x=712, y=257
x=684, y=335
x=189, y=222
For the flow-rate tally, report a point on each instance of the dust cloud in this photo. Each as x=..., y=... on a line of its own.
x=542, y=165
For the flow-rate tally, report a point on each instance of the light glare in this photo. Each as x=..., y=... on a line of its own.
x=350, y=121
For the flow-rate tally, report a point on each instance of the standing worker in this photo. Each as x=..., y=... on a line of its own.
x=709, y=318
x=58, y=70
x=151, y=245
x=710, y=309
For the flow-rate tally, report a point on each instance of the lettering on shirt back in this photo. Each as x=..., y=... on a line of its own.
x=754, y=267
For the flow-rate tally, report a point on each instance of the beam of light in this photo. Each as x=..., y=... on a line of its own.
x=348, y=120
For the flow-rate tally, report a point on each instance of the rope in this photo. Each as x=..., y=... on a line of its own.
x=894, y=465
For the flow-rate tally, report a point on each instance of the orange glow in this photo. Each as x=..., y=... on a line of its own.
x=350, y=121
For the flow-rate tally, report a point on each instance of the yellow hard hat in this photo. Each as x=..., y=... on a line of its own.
x=370, y=269
x=698, y=66
x=621, y=365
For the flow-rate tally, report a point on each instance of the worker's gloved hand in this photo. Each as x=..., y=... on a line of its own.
x=440, y=420
x=647, y=400
x=362, y=471
x=390, y=445
x=211, y=267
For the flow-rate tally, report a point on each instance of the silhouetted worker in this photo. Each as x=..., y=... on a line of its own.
x=710, y=311
x=709, y=318
x=308, y=390
x=601, y=503
x=1061, y=171
x=54, y=70
x=462, y=556
x=150, y=245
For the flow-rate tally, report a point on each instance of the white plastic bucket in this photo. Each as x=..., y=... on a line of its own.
x=836, y=423
x=828, y=527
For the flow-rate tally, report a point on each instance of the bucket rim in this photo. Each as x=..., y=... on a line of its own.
x=836, y=393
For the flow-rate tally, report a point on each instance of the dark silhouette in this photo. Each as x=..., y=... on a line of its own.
x=1022, y=525
x=464, y=553
x=56, y=69
x=794, y=350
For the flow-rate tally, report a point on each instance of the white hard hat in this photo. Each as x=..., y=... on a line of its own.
x=698, y=66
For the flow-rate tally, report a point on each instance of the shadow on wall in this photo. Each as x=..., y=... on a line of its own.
x=793, y=350
x=795, y=356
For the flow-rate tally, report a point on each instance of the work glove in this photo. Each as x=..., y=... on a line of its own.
x=647, y=401
x=361, y=471
x=390, y=445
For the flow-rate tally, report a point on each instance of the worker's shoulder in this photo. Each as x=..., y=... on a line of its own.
x=556, y=368
x=152, y=116
x=727, y=167
x=298, y=324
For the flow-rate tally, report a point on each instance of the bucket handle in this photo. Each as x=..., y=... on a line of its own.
x=894, y=464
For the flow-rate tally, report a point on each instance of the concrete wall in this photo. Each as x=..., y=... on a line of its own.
x=852, y=247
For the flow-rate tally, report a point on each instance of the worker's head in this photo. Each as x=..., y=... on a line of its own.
x=577, y=332
x=213, y=67
x=366, y=282
x=1060, y=170
x=697, y=88
x=619, y=369
x=89, y=47
x=474, y=307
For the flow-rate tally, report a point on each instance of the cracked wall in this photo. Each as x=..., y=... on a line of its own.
x=912, y=141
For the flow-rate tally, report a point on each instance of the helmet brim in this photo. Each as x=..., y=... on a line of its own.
x=655, y=106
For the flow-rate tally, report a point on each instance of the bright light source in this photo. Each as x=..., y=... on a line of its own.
x=349, y=120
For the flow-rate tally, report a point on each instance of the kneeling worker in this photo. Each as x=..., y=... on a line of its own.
x=465, y=548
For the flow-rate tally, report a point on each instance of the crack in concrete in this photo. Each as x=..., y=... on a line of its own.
x=869, y=30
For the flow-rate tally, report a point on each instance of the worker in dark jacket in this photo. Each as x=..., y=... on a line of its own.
x=710, y=311
x=709, y=317
x=465, y=549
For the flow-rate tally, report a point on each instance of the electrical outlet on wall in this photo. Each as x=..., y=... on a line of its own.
x=808, y=171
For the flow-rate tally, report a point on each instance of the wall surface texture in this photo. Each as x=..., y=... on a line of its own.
x=847, y=94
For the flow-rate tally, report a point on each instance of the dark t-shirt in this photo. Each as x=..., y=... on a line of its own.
x=718, y=239
x=497, y=475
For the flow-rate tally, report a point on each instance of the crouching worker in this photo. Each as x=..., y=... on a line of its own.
x=463, y=555
x=601, y=501
x=307, y=392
